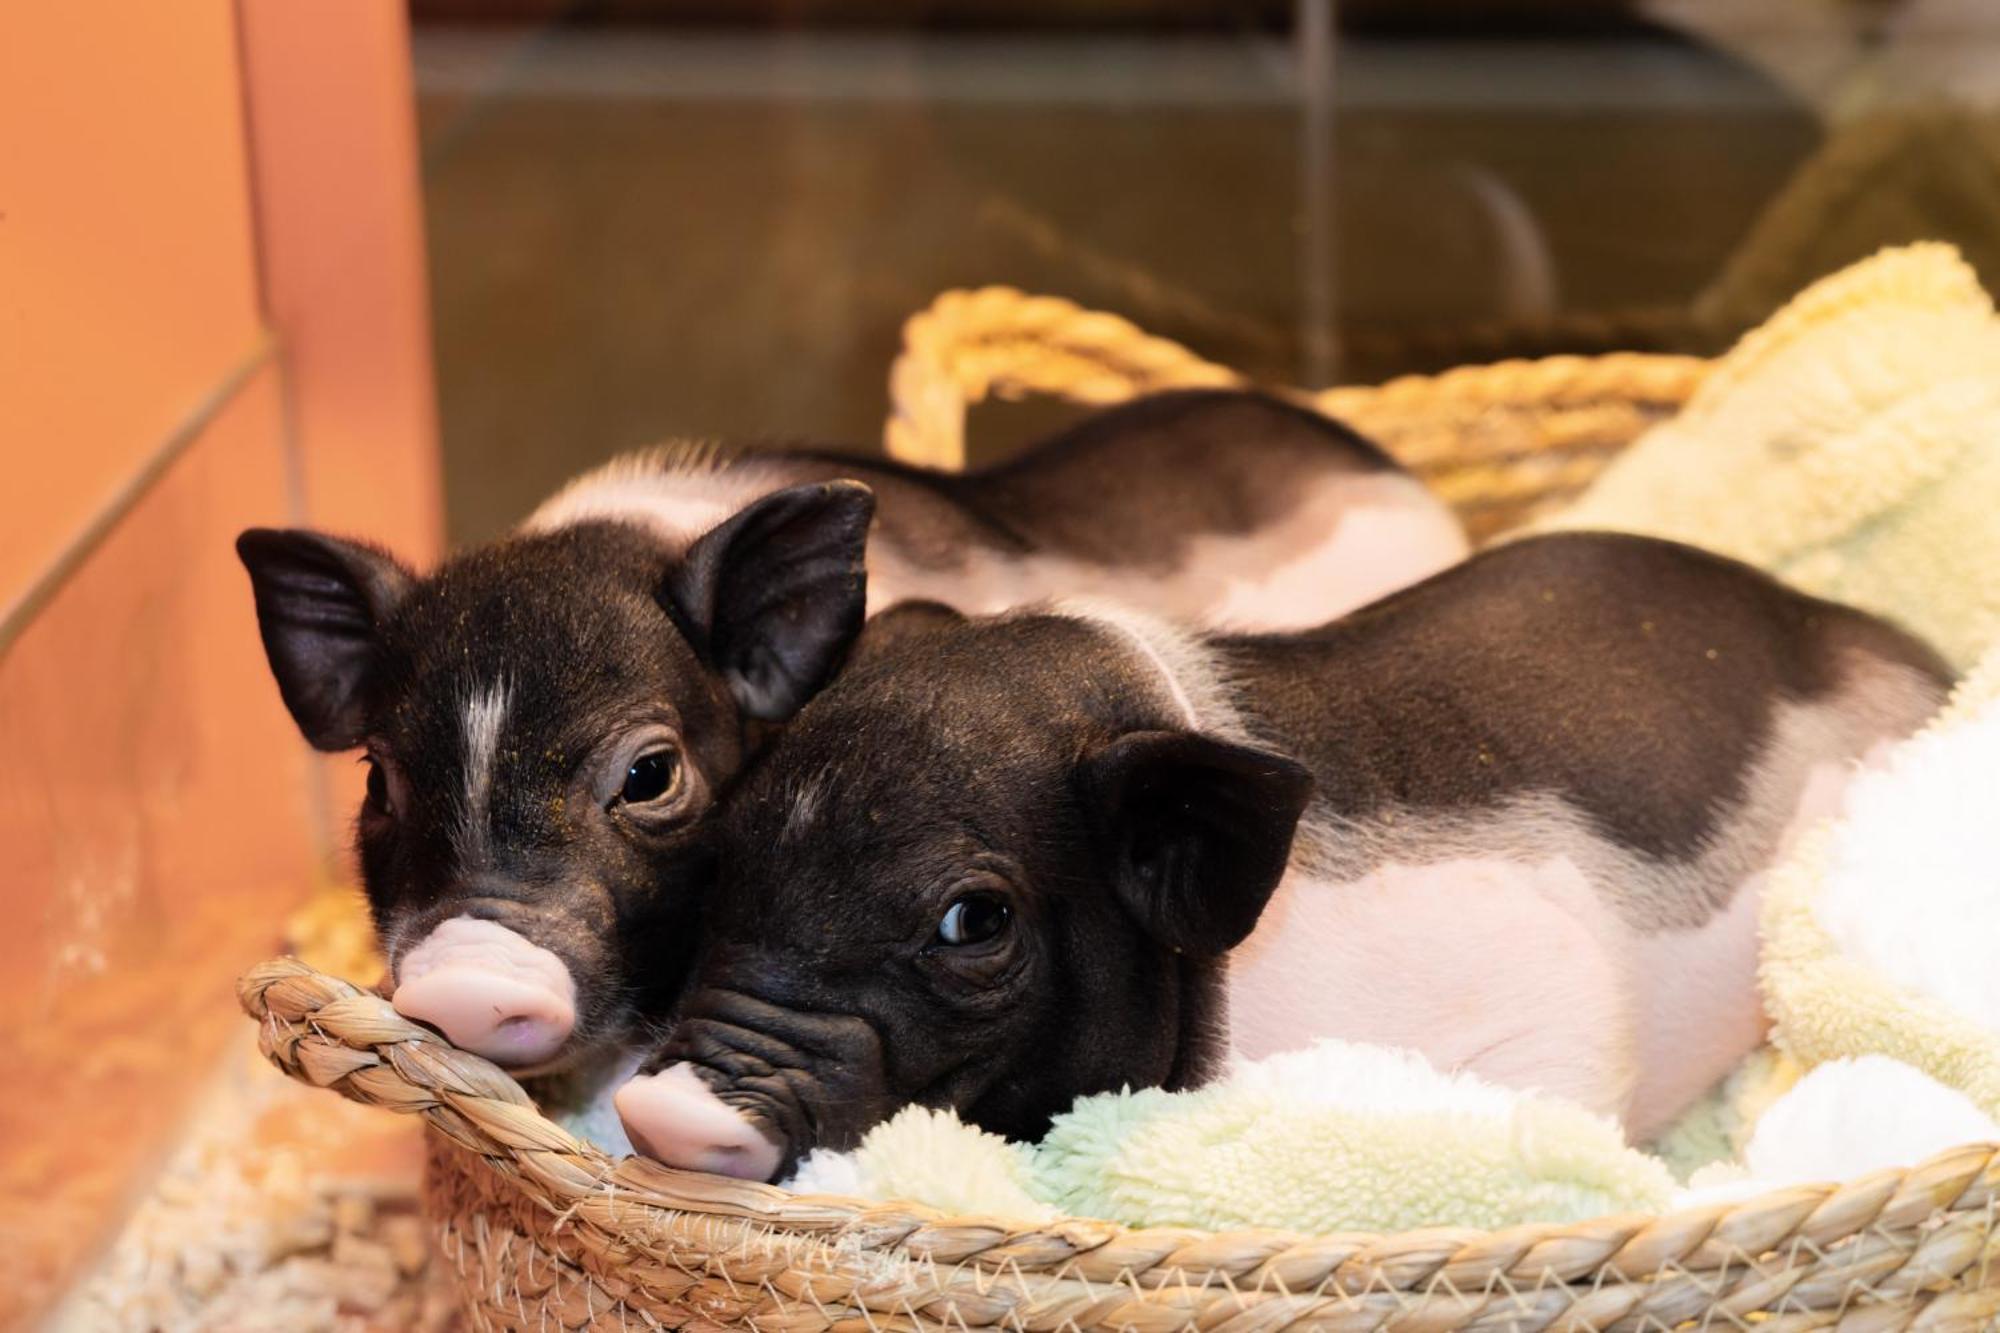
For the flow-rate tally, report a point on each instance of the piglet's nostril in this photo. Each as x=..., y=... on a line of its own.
x=490, y=991
x=509, y=1022
x=675, y=1118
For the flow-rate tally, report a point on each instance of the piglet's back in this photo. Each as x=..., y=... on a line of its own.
x=1638, y=678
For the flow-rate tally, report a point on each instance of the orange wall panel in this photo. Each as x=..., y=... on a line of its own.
x=128, y=282
x=332, y=118
x=152, y=839
x=174, y=178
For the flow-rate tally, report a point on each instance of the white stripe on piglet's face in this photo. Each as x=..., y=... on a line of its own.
x=485, y=715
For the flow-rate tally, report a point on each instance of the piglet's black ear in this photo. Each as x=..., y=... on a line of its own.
x=321, y=603
x=1196, y=831
x=772, y=597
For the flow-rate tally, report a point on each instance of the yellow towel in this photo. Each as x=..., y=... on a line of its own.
x=1851, y=446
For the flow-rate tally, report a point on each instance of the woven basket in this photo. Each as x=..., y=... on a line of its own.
x=1500, y=442
x=546, y=1232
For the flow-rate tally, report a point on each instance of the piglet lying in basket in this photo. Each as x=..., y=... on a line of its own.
x=1514, y=817
x=547, y=719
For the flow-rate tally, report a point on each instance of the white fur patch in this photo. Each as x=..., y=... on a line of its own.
x=806, y=797
x=485, y=716
x=1355, y=542
x=1187, y=671
x=678, y=491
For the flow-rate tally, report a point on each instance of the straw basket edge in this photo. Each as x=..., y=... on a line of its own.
x=544, y=1230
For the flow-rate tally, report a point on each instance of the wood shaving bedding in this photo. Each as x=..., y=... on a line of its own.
x=282, y=1208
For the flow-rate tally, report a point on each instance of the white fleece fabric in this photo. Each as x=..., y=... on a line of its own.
x=1912, y=884
x=1842, y=1120
x=1332, y=1137
x=1850, y=1117
x=1347, y=1137
x=1879, y=930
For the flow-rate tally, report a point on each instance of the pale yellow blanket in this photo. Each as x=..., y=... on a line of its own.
x=1851, y=446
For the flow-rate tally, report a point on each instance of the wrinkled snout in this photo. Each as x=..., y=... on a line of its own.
x=674, y=1117
x=489, y=990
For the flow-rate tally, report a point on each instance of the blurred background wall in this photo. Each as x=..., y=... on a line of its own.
x=212, y=315
x=650, y=217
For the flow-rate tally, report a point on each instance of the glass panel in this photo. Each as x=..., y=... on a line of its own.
x=651, y=219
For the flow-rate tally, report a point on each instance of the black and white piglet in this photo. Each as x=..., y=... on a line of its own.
x=1514, y=817
x=547, y=719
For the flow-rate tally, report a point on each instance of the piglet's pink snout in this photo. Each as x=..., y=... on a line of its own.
x=489, y=990
x=674, y=1117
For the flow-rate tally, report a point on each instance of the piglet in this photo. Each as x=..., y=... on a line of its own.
x=547, y=719
x=1515, y=818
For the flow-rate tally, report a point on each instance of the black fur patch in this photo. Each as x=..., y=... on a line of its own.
x=1636, y=679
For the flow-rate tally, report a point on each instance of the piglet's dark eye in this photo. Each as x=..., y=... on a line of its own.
x=378, y=787
x=650, y=777
x=973, y=919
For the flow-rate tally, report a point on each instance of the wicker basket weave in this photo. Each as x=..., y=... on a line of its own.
x=546, y=1232
x=1500, y=442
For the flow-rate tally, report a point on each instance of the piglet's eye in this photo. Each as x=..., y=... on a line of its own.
x=378, y=786
x=650, y=777
x=973, y=919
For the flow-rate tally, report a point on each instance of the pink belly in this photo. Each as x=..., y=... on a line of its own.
x=1496, y=967
x=1519, y=970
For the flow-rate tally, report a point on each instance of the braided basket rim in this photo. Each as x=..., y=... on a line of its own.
x=1895, y=1233
x=997, y=341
